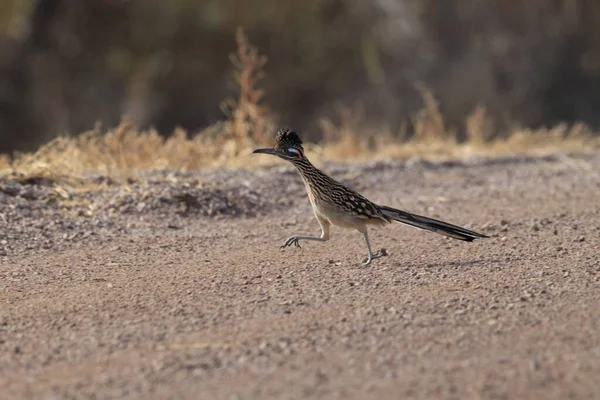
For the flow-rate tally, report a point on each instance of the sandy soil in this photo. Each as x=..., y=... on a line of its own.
x=174, y=287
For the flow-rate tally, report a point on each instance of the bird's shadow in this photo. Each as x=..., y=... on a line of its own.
x=462, y=264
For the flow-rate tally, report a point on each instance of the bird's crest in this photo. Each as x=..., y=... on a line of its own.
x=287, y=138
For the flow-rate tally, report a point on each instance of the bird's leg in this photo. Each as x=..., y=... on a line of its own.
x=372, y=256
x=293, y=240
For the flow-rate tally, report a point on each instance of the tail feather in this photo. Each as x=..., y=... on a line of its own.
x=430, y=224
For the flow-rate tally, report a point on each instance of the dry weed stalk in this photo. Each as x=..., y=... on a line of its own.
x=429, y=122
x=479, y=127
x=351, y=139
x=249, y=120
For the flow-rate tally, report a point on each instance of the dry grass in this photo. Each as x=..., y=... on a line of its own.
x=431, y=139
x=124, y=150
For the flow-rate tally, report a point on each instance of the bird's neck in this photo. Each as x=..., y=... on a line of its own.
x=305, y=168
x=312, y=176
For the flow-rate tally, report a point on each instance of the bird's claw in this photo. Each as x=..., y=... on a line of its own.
x=379, y=254
x=292, y=240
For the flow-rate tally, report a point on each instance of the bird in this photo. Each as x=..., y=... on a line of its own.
x=335, y=204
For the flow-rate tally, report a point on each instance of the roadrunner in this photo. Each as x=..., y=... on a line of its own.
x=333, y=203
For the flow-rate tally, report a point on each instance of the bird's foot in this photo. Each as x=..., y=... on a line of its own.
x=379, y=254
x=292, y=240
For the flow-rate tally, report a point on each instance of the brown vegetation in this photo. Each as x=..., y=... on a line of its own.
x=65, y=64
x=124, y=150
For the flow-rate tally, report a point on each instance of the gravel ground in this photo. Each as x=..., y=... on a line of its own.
x=173, y=286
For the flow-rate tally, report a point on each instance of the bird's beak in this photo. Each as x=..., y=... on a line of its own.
x=267, y=151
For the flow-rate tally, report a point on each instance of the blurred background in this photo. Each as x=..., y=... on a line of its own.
x=67, y=64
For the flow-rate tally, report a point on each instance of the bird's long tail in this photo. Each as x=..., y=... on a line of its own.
x=430, y=224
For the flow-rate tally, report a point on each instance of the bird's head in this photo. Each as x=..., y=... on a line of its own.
x=288, y=146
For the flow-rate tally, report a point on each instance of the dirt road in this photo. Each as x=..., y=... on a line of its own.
x=176, y=287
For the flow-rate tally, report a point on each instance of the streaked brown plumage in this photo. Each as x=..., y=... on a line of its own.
x=334, y=203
